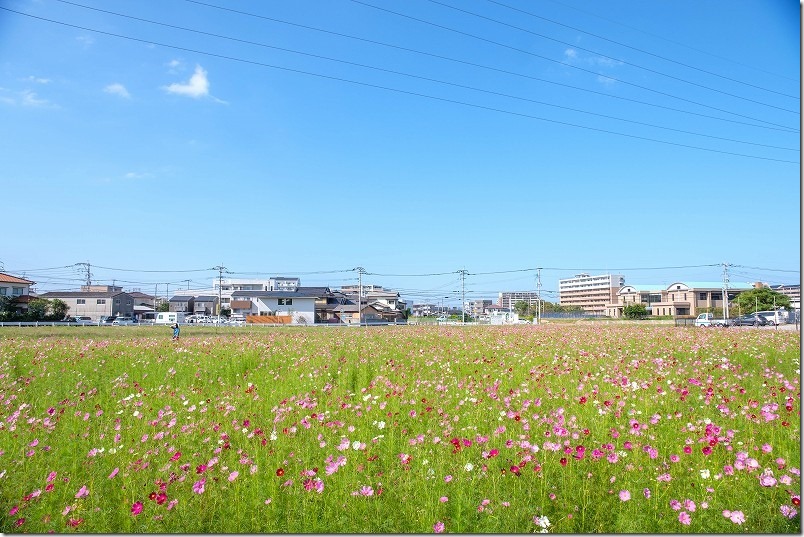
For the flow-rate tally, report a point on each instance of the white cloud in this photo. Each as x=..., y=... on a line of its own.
x=571, y=53
x=29, y=98
x=117, y=89
x=135, y=175
x=86, y=40
x=38, y=80
x=196, y=87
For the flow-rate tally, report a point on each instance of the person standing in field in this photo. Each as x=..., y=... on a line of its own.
x=175, y=328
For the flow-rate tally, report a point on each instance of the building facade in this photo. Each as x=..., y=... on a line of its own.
x=507, y=299
x=590, y=293
x=676, y=299
x=95, y=304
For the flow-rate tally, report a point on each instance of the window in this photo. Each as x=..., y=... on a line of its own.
x=101, y=301
x=3, y=291
x=717, y=296
x=16, y=290
x=81, y=301
x=117, y=301
x=128, y=302
x=285, y=301
x=701, y=296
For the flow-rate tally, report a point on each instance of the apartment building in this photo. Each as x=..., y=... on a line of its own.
x=678, y=298
x=792, y=291
x=591, y=293
x=507, y=299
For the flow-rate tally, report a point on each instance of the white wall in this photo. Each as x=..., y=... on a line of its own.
x=301, y=308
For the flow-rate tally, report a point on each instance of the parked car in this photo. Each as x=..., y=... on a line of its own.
x=774, y=317
x=107, y=321
x=708, y=319
x=751, y=319
x=83, y=320
x=124, y=321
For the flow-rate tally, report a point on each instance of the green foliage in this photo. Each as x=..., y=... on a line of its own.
x=761, y=300
x=163, y=306
x=635, y=311
x=37, y=309
x=129, y=413
x=58, y=309
x=8, y=308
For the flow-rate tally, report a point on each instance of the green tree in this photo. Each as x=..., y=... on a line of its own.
x=37, y=309
x=521, y=307
x=226, y=312
x=8, y=307
x=163, y=306
x=635, y=311
x=58, y=309
x=761, y=300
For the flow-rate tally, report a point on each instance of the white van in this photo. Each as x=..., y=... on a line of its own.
x=774, y=317
x=169, y=317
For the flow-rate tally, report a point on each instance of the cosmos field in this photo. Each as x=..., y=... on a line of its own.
x=569, y=428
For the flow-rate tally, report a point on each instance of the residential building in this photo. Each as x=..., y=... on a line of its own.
x=677, y=299
x=591, y=293
x=299, y=304
x=507, y=299
x=792, y=291
x=476, y=308
x=183, y=303
x=95, y=304
x=17, y=288
x=229, y=285
x=386, y=301
x=205, y=305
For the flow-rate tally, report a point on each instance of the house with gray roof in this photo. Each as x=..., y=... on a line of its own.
x=95, y=304
x=182, y=303
x=299, y=304
x=205, y=305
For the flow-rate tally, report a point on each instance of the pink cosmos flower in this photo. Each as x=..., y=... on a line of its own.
x=675, y=505
x=625, y=495
x=735, y=516
x=689, y=505
x=233, y=476
x=51, y=477
x=83, y=492
x=447, y=478
x=438, y=527
x=198, y=486
x=767, y=448
x=136, y=508
x=646, y=492
x=684, y=518
x=443, y=499
x=114, y=473
x=767, y=480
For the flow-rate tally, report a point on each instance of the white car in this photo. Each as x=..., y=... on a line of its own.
x=83, y=320
x=124, y=321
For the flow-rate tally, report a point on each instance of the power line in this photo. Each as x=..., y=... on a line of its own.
x=491, y=68
x=529, y=53
x=679, y=43
x=428, y=79
x=405, y=92
x=632, y=48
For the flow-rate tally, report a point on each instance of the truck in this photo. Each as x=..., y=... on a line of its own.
x=169, y=317
x=708, y=319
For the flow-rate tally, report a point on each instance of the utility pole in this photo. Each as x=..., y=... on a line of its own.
x=220, y=269
x=538, y=295
x=725, y=292
x=463, y=273
x=86, y=268
x=360, y=271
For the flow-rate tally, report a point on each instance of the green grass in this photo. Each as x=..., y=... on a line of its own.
x=395, y=402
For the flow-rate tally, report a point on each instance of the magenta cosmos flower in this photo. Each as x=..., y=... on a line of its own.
x=136, y=508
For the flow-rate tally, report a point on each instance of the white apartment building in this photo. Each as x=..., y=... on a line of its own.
x=507, y=299
x=592, y=293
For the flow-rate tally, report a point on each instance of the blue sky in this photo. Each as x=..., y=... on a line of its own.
x=156, y=140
